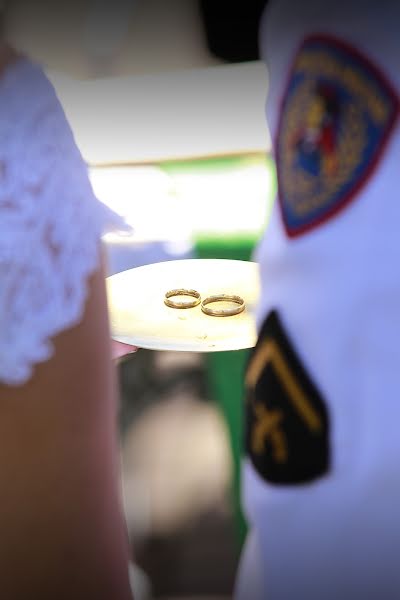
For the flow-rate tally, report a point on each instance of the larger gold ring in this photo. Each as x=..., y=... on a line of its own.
x=182, y=292
x=223, y=312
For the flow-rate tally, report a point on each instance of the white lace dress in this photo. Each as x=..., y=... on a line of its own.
x=50, y=222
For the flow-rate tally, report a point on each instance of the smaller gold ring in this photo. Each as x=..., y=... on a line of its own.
x=223, y=312
x=182, y=292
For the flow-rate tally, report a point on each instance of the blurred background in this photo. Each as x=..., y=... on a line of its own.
x=166, y=102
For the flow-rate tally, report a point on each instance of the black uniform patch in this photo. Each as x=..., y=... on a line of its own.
x=287, y=426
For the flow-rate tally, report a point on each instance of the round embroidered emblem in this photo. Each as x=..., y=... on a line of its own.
x=337, y=113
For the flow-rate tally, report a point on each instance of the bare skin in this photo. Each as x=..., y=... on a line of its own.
x=62, y=529
x=60, y=513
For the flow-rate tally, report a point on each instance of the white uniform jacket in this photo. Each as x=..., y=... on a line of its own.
x=322, y=469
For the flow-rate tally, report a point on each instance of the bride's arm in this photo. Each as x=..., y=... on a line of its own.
x=62, y=533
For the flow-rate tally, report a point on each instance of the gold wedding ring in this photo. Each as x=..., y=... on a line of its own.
x=223, y=312
x=182, y=292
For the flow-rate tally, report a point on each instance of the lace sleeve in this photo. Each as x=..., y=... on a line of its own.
x=50, y=224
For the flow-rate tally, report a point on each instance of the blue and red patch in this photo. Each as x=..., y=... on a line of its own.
x=337, y=114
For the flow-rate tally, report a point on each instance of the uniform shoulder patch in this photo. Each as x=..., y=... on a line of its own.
x=336, y=116
x=287, y=425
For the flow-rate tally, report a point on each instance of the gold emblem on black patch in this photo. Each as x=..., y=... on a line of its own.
x=287, y=427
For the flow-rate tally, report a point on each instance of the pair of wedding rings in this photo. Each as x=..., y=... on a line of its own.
x=238, y=302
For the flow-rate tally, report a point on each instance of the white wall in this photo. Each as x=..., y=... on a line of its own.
x=200, y=112
x=137, y=82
